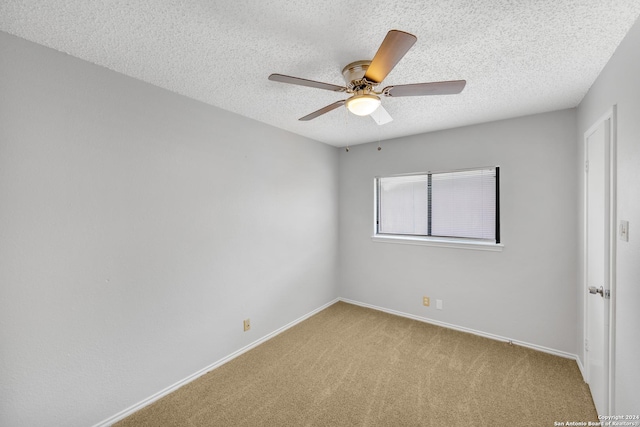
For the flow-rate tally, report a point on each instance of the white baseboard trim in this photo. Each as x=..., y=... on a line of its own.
x=149, y=400
x=582, y=370
x=469, y=330
x=134, y=408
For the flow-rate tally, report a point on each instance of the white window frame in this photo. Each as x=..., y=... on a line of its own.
x=450, y=242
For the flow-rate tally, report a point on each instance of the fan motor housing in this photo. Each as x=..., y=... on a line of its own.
x=355, y=71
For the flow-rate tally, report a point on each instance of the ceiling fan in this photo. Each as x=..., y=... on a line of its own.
x=362, y=78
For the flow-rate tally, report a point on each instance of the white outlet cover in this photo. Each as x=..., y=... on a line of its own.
x=439, y=304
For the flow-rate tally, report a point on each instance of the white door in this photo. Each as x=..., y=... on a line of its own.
x=598, y=261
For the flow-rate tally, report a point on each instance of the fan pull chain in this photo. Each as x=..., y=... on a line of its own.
x=346, y=125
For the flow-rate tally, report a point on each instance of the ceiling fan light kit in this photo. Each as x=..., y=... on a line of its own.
x=363, y=105
x=362, y=77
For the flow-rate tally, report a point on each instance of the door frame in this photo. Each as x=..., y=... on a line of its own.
x=611, y=116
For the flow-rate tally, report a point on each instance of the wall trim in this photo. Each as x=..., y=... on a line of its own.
x=581, y=367
x=149, y=400
x=468, y=330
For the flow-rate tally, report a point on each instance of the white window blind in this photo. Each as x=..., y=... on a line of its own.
x=461, y=204
x=403, y=207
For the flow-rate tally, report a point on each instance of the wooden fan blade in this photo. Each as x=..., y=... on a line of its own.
x=424, y=89
x=380, y=116
x=304, y=82
x=322, y=111
x=394, y=46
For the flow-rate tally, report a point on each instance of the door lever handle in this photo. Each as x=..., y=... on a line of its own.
x=593, y=290
x=600, y=290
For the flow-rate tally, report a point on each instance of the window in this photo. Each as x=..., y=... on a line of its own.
x=458, y=206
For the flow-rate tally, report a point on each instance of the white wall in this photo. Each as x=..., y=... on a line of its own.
x=138, y=228
x=526, y=292
x=619, y=84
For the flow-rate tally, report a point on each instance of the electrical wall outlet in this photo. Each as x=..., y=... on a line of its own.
x=426, y=301
x=439, y=304
x=247, y=324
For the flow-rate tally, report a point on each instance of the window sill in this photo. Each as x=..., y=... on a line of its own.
x=442, y=242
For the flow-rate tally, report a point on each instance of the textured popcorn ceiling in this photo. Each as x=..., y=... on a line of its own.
x=518, y=57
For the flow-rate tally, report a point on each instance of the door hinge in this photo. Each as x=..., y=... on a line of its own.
x=586, y=345
x=586, y=166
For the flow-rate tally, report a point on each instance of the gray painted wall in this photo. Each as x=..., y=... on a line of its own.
x=619, y=84
x=138, y=228
x=527, y=291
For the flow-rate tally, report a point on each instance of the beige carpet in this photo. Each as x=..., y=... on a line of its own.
x=353, y=366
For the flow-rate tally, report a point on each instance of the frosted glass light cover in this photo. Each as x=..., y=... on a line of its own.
x=363, y=105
